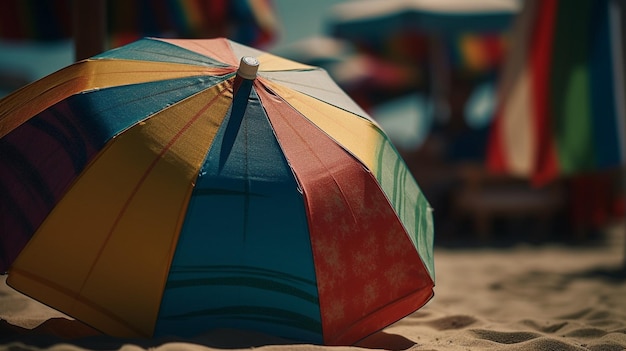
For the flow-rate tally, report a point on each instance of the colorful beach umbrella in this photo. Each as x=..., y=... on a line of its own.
x=442, y=38
x=427, y=16
x=158, y=189
x=250, y=22
x=561, y=106
x=472, y=32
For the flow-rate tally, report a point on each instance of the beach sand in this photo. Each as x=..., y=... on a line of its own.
x=541, y=297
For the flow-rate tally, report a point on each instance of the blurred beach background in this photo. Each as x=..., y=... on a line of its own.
x=434, y=93
x=527, y=257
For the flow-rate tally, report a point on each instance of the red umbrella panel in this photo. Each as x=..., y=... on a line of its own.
x=158, y=189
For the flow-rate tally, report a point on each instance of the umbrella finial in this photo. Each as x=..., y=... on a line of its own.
x=248, y=67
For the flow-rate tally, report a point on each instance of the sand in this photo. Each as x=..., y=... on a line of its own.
x=541, y=297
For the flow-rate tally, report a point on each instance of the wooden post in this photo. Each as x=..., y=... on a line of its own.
x=89, y=28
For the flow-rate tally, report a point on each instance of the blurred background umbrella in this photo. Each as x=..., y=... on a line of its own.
x=98, y=25
x=560, y=109
x=436, y=36
x=167, y=194
x=404, y=29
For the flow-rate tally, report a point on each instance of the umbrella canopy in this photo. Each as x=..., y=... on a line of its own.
x=428, y=15
x=403, y=29
x=447, y=41
x=161, y=190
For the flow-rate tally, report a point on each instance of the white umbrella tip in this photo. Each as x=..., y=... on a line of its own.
x=248, y=67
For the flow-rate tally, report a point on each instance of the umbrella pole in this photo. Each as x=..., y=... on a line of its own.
x=89, y=28
x=242, y=86
x=622, y=188
x=439, y=80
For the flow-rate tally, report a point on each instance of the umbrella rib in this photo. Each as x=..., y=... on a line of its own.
x=316, y=87
x=199, y=70
x=161, y=53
